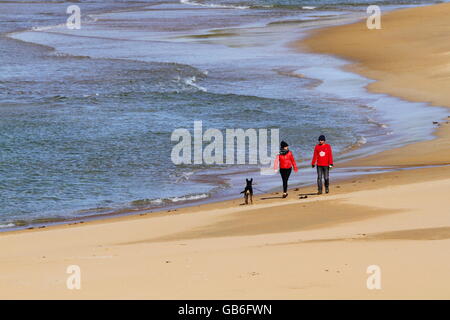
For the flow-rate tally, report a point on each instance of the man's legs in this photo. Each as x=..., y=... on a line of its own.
x=326, y=176
x=320, y=173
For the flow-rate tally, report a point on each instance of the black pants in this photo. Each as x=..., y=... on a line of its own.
x=285, y=173
x=323, y=172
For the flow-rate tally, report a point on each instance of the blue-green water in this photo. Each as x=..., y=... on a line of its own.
x=86, y=115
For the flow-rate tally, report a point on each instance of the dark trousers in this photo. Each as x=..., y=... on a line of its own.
x=323, y=172
x=285, y=173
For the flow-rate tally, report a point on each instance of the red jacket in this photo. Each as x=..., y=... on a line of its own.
x=323, y=155
x=285, y=161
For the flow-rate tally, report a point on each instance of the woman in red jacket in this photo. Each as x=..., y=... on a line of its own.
x=285, y=160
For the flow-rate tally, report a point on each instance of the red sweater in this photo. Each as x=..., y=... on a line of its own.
x=285, y=161
x=323, y=155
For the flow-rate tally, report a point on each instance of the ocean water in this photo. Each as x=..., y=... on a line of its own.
x=86, y=115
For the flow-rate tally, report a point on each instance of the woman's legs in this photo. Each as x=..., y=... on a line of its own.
x=285, y=173
x=323, y=172
x=320, y=174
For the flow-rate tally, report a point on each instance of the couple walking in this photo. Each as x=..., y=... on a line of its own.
x=322, y=159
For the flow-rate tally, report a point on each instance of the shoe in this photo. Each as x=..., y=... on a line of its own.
x=327, y=190
x=319, y=192
x=285, y=195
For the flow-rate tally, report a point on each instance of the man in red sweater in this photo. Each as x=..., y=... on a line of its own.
x=323, y=158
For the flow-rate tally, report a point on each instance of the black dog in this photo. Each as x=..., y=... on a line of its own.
x=248, y=191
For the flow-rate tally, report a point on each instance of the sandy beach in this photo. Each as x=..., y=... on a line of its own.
x=314, y=248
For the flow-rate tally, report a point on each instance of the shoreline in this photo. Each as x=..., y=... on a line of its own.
x=204, y=204
x=323, y=244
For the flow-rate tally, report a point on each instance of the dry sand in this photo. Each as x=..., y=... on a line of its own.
x=319, y=247
x=410, y=59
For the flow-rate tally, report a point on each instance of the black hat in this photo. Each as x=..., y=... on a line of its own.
x=283, y=144
x=322, y=138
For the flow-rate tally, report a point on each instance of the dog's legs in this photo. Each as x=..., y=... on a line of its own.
x=251, y=198
x=246, y=198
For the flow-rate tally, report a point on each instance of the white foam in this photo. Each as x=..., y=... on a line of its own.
x=212, y=5
x=190, y=197
x=46, y=28
x=362, y=141
x=9, y=225
x=191, y=82
x=379, y=124
x=184, y=177
x=91, y=18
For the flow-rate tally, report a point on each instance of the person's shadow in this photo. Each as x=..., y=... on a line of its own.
x=268, y=198
x=307, y=194
x=300, y=195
